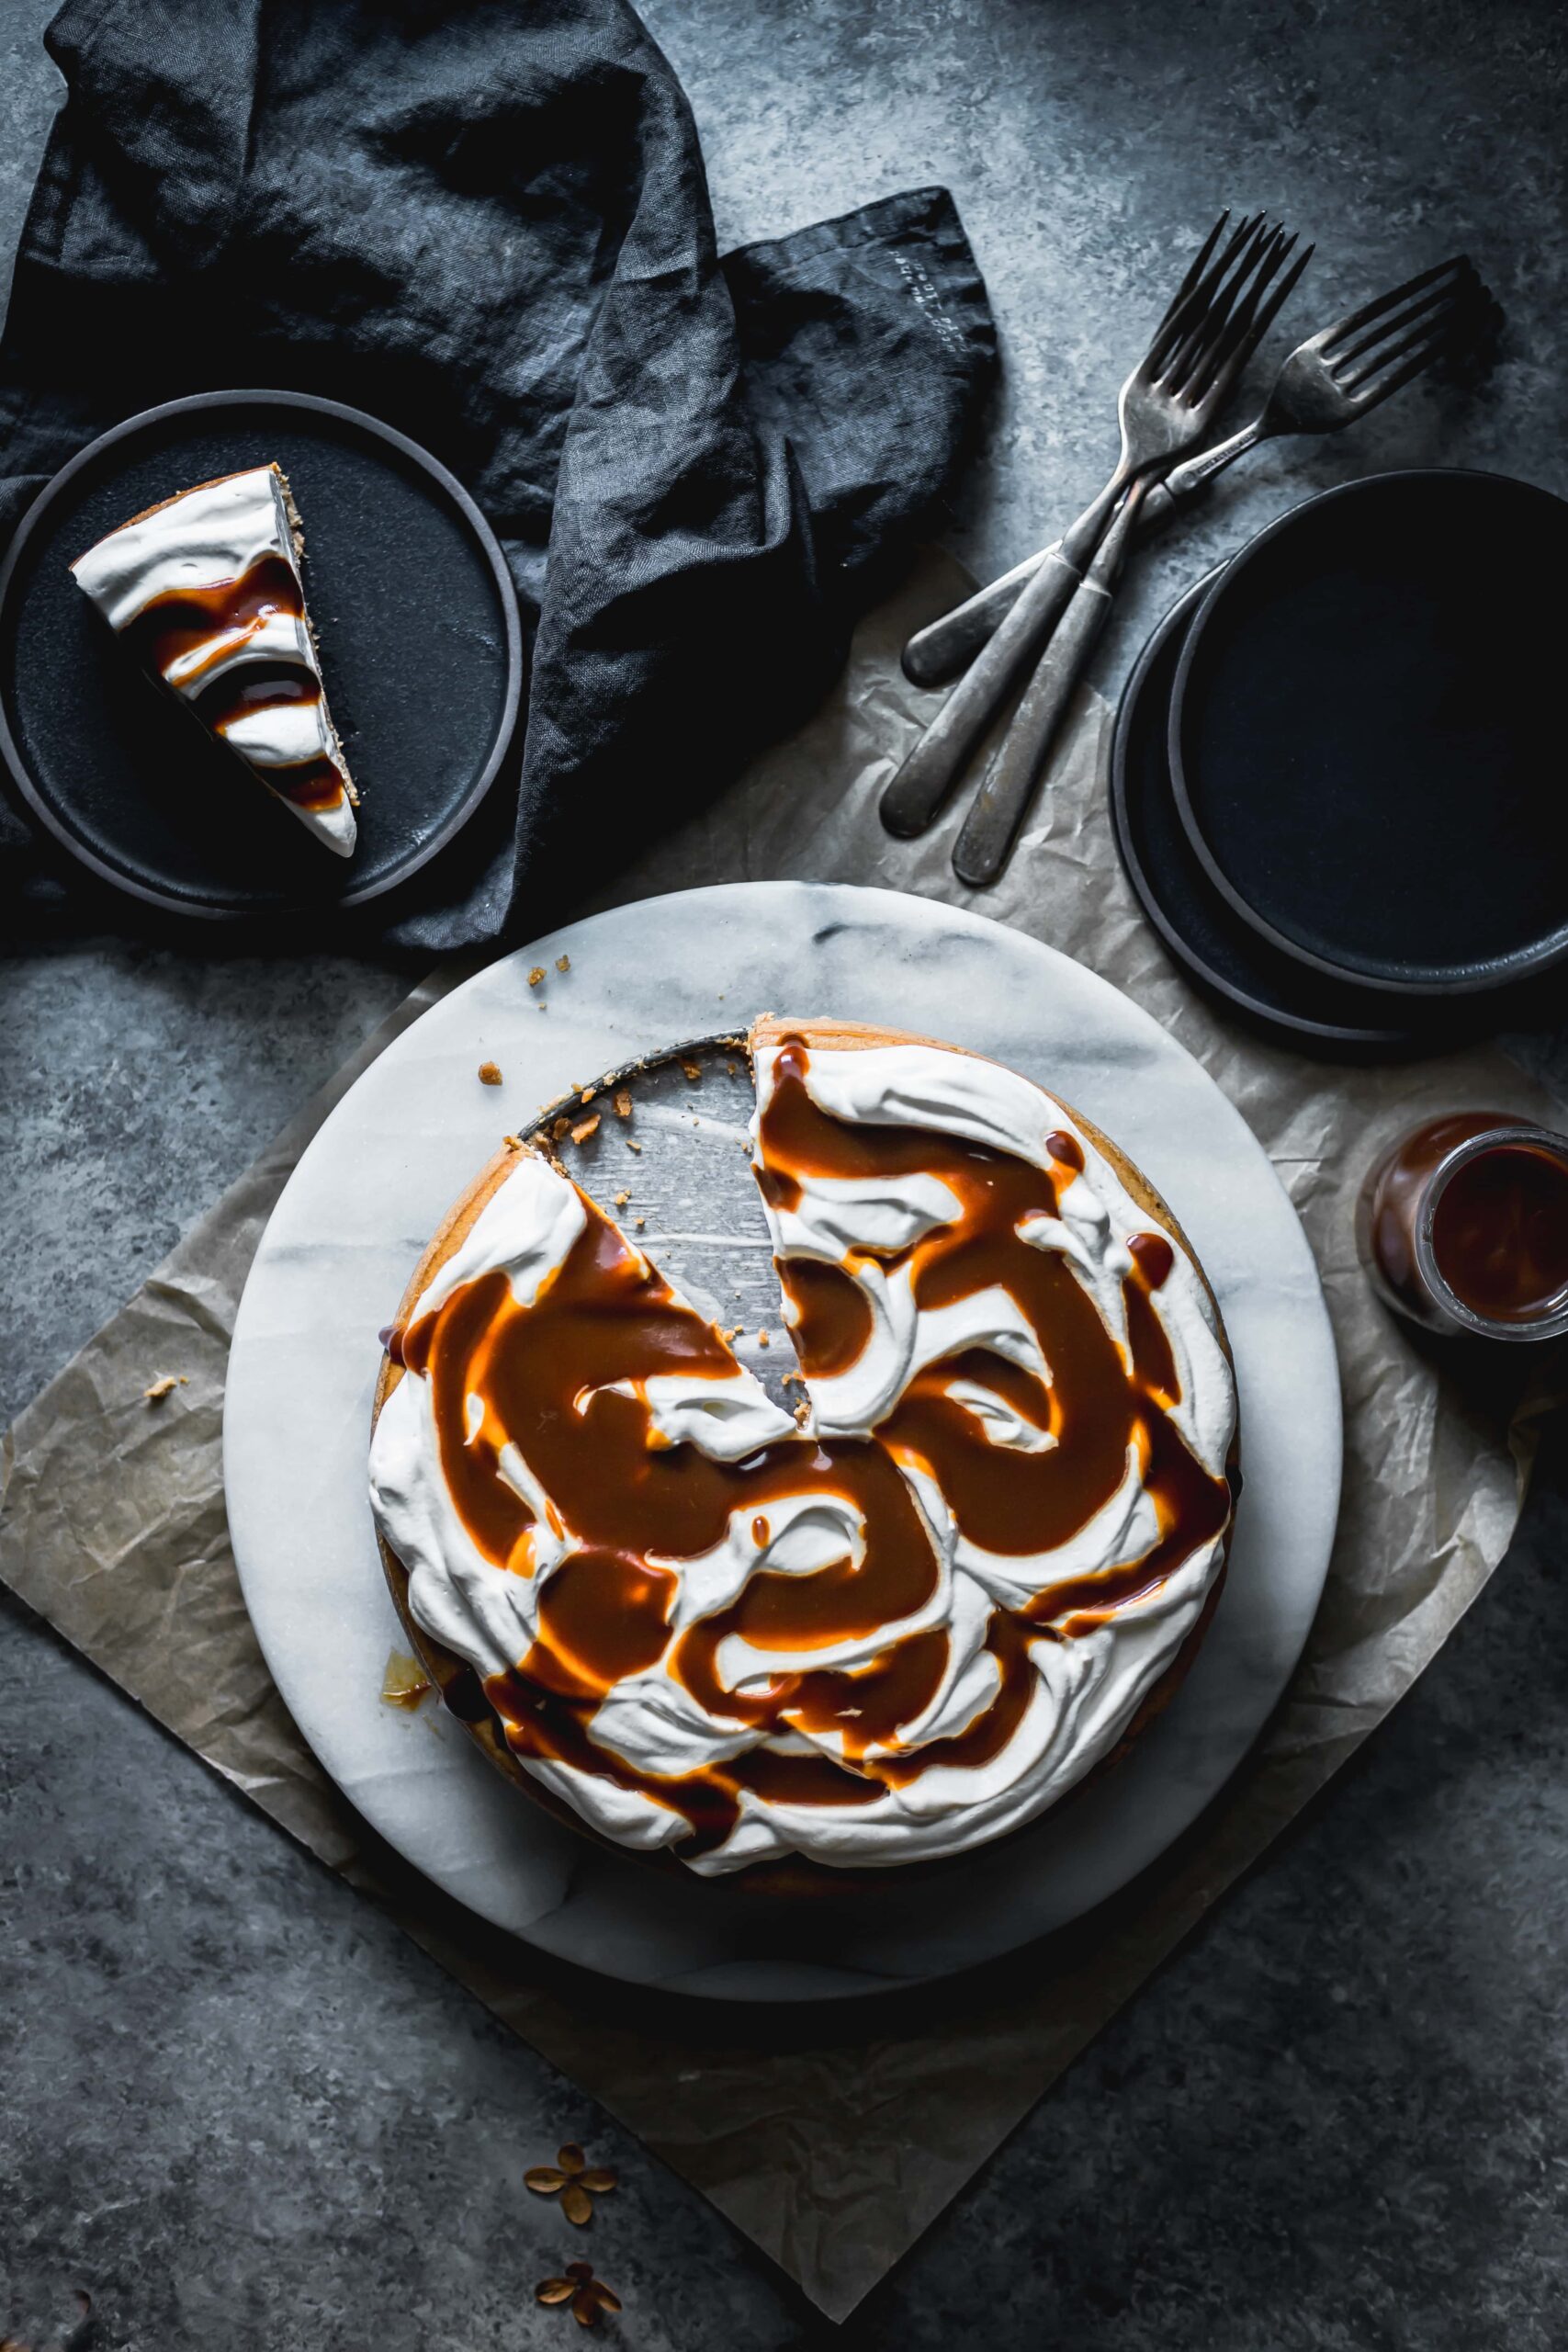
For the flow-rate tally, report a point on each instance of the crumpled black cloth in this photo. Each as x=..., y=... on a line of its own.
x=487, y=221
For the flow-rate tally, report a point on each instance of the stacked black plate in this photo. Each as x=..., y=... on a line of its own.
x=1340, y=769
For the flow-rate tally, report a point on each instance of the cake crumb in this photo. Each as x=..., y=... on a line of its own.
x=563, y=963
x=585, y=1128
x=536, y=976
x=621, y=1199
x=623, y=1103
x=587, y=1093
x=640, y=1223
x=762, y=1339
x=512, y=1143
x=730, y=1070
x=164, y=1385
x=489, y=1074
x=803, y=1412
x=631, y=1145
x=560, y=1129
x=693, y=1070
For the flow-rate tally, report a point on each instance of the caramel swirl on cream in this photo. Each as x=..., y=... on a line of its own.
x=897, y=1633
x=205, y=589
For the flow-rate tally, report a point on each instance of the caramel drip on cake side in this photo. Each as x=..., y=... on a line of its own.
x=564, y=1381
x=204, y=627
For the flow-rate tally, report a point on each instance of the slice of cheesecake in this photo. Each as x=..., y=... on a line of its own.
x=205, y=589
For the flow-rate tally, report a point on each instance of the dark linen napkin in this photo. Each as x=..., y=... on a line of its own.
x=487, y=223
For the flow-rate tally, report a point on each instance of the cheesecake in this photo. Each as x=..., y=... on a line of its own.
x=885, y=1629
x=204, y=591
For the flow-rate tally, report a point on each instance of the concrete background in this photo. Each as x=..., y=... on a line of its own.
x=238, y=2106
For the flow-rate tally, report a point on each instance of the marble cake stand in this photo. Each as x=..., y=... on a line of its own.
x=373, y=1183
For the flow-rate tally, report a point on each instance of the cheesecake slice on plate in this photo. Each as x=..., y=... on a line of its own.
x=205, y=588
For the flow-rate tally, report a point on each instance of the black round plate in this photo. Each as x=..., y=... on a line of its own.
x=1176, y=894
x=421, y=649
x=1366, y=742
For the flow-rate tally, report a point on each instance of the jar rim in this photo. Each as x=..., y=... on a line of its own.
x=1550, y=1325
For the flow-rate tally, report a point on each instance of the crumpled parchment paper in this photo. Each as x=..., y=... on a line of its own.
x=833, y=2138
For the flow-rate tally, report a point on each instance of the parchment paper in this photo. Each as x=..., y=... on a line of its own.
x=833, y=2140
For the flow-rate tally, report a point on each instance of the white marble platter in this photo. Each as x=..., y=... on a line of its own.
x=409, y=1137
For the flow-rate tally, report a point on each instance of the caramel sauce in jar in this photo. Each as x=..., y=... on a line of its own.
x=1463, y=1227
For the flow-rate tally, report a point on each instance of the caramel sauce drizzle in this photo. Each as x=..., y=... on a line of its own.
x=542, y=1378
x=207, y=621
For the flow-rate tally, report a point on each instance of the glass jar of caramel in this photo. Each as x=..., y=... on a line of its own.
x=1463, y=1227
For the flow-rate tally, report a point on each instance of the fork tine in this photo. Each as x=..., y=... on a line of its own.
x=1428, y=338
x=1223, y=333
x=1249, y=334
x=1200, y=262
x=1211, y=305
x=1432, y=304
x=1370, y=394
x=1380, y=304
x=1187, y=318
x=1235, y=334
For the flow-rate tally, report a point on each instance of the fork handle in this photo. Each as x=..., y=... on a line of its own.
x=939, y=759
x=1197, y=472
x=985, y=841
x=944, y=647
x=947, y=646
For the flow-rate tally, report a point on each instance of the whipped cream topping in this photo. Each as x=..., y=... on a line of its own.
x=206, y=589
x=898, y=1631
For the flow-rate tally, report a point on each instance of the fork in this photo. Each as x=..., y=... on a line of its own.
x=1167, y=406
x=1320, y=387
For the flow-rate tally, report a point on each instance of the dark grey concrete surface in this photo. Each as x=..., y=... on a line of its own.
x=235, y=2104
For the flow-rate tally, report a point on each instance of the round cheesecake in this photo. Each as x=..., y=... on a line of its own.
x=879, y=1633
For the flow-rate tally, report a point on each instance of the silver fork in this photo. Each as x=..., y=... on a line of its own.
x=1338, y=376
x=1167, y=406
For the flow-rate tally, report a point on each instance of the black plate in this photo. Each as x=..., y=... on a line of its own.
x=421, y=649
x=1366, y=736
x=1185, y=908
